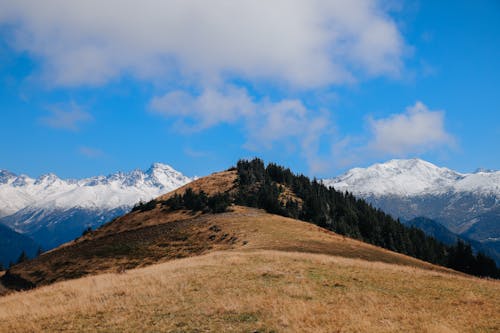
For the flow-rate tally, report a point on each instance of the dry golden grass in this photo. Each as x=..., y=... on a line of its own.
x=219, y=182
x=259, y=290
x=287, y=195
x=243, y=228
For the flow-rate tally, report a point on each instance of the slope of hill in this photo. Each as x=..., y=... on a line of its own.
x=12, y=244
x=53, y=211
x=259, y=291
x=156, y=231
x=163, y=237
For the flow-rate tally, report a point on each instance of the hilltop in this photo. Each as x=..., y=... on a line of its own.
x=222, y=250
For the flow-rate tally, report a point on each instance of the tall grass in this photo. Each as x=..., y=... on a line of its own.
x=265, y=291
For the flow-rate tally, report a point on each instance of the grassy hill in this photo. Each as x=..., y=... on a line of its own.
x=244, y=270
x=179, y=234
x=260, y=291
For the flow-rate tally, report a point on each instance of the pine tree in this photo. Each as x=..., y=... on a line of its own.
x=22, y=258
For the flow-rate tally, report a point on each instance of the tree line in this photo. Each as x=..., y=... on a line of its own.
x=190, y=200
x=263, y=186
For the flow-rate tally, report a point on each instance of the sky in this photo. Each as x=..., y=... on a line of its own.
x=321, y=86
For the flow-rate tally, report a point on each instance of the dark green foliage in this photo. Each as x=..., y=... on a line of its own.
x=87, y=231
x=22, y=258
x=462, y=259
x=260, y=186
x=218, y=203
x=143, y=207
x=190, y=200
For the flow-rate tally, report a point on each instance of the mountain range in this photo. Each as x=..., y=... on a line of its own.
x=53, y=211
x=468, y=204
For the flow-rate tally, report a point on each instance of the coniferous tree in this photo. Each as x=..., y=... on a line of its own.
x=22, y=257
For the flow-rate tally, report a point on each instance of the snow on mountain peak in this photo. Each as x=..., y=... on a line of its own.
x=483, y=170
x=160, y=167
x=413, y=177
x=48, y=179
x=116, y=190
x=6, y=176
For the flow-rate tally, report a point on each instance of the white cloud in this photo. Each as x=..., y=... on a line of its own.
x=266, y=124
x=90, y=152
x=301, y=43
x=416, y=131
x=208, y=109
x=66, y=119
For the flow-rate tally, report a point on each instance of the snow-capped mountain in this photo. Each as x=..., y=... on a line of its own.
x=468, y=204
x=53, y=210
x=413, y=178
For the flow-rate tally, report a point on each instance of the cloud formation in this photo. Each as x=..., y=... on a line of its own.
x=66, y=119
x=90, y=152
x=300, y=43
x=417, y=130
x=207, y=109
x=265, y=123
x=199, y=49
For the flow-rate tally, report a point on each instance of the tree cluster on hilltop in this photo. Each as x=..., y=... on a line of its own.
x=190, y=200
x=261, y=186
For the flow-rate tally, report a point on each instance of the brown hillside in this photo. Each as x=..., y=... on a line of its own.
x=158, y=234
x=260, y=291
x=244, y=229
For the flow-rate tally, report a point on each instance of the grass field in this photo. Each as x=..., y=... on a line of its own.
x=259, y=290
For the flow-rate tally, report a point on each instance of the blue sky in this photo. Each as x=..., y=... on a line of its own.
x=320, y=86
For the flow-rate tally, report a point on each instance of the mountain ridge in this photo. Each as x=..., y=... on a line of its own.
x=413, y=177
x=53, y=211
x=20, y=191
